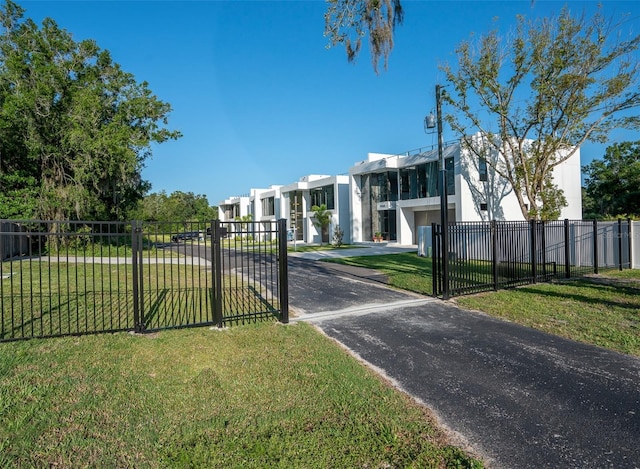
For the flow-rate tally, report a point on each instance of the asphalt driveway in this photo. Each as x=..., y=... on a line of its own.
x=517, y=397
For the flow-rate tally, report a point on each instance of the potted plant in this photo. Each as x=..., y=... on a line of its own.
x=377, y=237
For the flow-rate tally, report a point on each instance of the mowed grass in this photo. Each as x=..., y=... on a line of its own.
x=591, y=310
x=262, y=395
x=602, y=310
x=406, y=271
x=44, y=299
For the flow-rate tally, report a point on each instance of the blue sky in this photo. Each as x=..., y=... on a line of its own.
x=260, y=99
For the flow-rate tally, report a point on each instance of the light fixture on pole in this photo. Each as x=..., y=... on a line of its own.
x=430, y=123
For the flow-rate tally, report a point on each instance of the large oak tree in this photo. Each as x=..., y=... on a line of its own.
x=75, y=129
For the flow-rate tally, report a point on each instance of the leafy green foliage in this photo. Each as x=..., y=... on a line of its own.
x=75, y=129
x=176, y=207
x=612, y=185
x=554, y=85
x=338, y=235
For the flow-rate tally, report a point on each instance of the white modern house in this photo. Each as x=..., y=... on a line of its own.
x=395, y=194
x=264, y=204
x=299, y=197
x=234, y=207
x=294, y=202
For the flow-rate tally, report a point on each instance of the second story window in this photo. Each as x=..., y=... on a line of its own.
x=482, y=170
x=323, y=195
x=268, y=206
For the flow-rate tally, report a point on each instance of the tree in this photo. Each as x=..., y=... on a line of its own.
x=179, y=207
x=74, y=128
x=348, y=21
x=537, y=97
x=321, y=219
x=613, y=183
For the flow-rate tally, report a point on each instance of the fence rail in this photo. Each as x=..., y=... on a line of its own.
x=489, y=256
x=89, y=277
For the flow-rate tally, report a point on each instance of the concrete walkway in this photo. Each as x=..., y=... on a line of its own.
x=517, y=397
x=364, y=249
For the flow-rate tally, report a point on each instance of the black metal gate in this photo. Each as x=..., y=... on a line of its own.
x=88, y=277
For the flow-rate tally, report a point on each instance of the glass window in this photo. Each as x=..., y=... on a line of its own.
x=432, y=179
x=388, y=186
x=451, y=180
x=421, y=181
x=409, y=183
x=405, y=186
x=268, y=206
x=482, y=169
x=323, y=195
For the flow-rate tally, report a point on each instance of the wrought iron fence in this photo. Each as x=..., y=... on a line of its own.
x=89, y=277
x=489, y=256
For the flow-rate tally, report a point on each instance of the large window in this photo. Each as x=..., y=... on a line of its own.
x=268, y=206
x=409, y=183
x=418, y=182
x=231, y=211
x=451, y=180
x=323, y=195
x=482, y=169
x=385, y=187
x=295, y=214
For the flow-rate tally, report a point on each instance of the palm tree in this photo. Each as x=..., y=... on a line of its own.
x=322, y=219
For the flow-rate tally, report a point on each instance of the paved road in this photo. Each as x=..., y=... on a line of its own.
x=518, y=397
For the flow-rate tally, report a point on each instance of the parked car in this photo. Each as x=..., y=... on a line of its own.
x=187, y=235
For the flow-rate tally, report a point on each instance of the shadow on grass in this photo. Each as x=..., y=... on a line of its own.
x=592, y=293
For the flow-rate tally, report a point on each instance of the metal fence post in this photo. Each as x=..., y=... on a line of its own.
x=630, y=243
x=135, y=272
x=435, y=255
x=283, y=271
x=619, y=243
x=595, y=246
x=494, y=253
x=533, y=224
x=543, y=242
x=216, y=291
x=567, y=250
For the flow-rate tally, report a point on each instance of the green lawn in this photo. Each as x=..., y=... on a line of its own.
x=262, y=395
x=406, y=271
x=602, y=310
x=41, y=298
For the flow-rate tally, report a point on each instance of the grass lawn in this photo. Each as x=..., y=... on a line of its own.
x=602, y=310
x=406, y=271
x=592, y=310
x=42, y=298
x=262, y=395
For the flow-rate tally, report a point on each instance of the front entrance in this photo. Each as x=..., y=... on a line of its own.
x=387, y=224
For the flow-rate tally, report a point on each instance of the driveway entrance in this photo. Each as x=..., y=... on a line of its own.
x=517, y=397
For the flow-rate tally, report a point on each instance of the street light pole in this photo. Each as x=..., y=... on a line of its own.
x=444, y=219
x=429, y=123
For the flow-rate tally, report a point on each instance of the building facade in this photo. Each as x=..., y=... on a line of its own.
x=395, y=194
x=299, y=197
x=294, y=203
